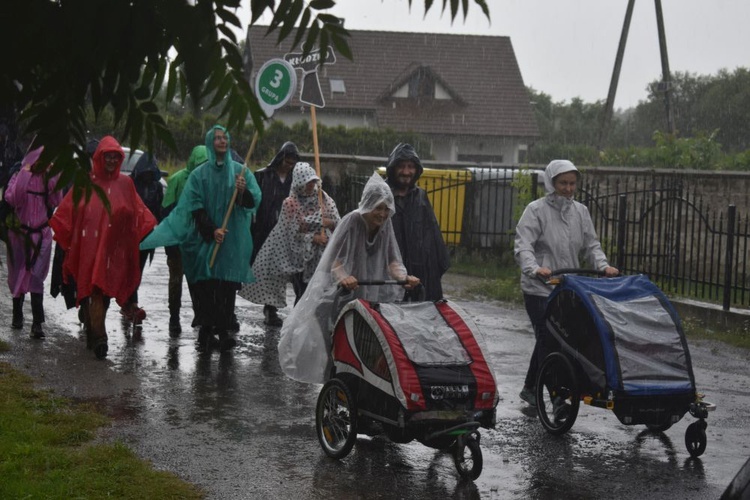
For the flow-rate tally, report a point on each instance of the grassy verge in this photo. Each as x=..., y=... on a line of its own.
x=500, y=278
x=695, y=329
x=45, y=451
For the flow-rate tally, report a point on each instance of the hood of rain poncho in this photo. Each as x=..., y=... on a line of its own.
x=31, y=157
x=288, y=148
x=108, y=144
x=146, y=164
x=301, y=175
x=402, y=152
x=210, y=187
x=555, y=168
x=176, y=181
x=376, y=192
x=146, y=177
x=304, y=347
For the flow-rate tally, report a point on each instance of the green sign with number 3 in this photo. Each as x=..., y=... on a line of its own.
x=275, y=84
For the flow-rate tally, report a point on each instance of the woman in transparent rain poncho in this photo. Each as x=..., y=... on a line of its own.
x=295, y=245
x=362, y=248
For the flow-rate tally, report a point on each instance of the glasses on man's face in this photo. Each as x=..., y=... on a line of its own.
x=111, y=157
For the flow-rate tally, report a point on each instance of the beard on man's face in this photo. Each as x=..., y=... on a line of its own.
x=403, y=181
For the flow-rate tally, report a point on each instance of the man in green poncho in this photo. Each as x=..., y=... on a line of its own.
x=195, y=225
x=175, y=186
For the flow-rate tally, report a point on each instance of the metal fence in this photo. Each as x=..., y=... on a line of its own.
x=659, y=226
x=651, y=224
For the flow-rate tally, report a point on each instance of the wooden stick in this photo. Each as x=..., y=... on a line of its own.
x=234, y=197
x=317, y=165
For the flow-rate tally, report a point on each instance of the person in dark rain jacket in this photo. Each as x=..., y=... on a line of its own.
x=417, y=231
x=275, y=182
x=146, y=176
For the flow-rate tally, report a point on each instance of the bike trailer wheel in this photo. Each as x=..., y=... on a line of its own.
x=467, y=456
x=557, y=394
x=336, y=419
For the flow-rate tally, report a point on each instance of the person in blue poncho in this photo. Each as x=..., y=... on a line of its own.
x=195, y=225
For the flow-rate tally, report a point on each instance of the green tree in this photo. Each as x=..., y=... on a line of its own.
x=119, y=55
x=703, y=105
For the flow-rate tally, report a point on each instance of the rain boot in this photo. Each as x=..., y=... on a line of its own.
x=84, y=316
x=271, y=316
x=206, y=340
x=37, y=314
x=174, y=323
x=226, y=341
x=98, y=331
x=17, y=322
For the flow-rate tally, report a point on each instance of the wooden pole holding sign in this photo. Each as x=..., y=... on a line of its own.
x=316, y=152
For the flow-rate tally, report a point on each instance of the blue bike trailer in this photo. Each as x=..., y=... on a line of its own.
x=623, y=332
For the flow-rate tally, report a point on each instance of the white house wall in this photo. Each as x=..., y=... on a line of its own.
x=443, y=148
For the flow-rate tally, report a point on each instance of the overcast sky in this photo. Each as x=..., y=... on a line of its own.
x=567, y=48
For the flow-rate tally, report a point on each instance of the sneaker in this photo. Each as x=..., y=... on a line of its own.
x=36, y=331
x=528, y=396
x=560, y=410
x=133, y=313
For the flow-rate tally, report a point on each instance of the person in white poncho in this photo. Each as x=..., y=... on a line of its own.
x=294, y=247
x=362, y=248
x=551, y=234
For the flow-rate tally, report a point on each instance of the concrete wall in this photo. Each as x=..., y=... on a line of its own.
x=718, y=189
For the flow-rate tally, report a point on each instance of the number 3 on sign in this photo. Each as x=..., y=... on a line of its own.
x=276, y=82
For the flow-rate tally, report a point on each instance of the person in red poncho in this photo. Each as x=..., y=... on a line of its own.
x=101, y=247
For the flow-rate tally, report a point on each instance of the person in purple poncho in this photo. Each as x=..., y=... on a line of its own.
x=33, y=198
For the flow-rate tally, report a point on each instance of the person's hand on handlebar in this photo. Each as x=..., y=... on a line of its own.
x=544, y=272
x=411, y=282
x=611, y=272
x=349, y=283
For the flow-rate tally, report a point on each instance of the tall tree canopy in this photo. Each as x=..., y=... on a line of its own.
x=61, y=55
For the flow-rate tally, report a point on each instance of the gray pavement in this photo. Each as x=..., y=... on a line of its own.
x=237, y=427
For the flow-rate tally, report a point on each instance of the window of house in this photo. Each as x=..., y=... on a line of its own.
x=481, y=158
x=337, y=86
x=422, y=85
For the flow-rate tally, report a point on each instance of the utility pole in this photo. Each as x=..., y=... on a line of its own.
x=607, y=116
x=666, y=82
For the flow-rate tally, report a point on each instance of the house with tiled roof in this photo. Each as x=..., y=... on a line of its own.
x=464, y=93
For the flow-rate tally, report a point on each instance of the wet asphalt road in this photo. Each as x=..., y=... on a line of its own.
x=236, y=426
